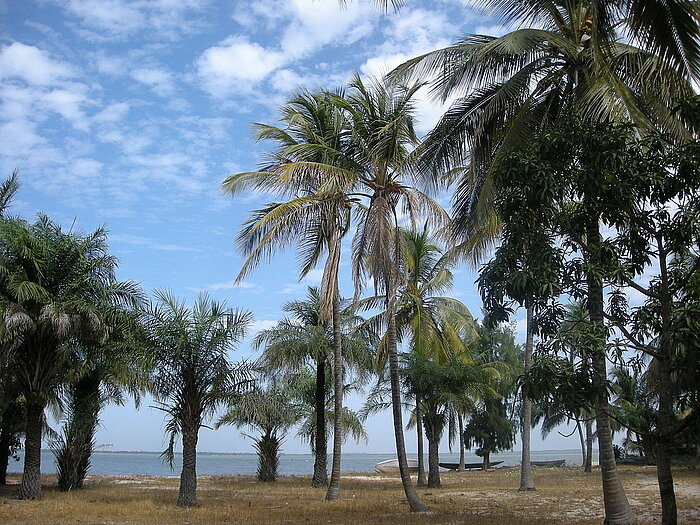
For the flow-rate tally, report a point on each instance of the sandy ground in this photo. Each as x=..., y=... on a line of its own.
x=563, y=495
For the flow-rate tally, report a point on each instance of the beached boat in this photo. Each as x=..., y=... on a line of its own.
x=468, y=466
x=549, y=463
x=391, y=466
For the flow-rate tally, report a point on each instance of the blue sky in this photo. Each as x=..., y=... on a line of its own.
x=130, y=113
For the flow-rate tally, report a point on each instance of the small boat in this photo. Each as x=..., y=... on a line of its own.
x=468, y=466
x=391, y=466
x=549, y=463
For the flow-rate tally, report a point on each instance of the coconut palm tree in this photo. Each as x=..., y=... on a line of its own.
x=315, y=217
x=513, y=86
x=271, y=412
x=381, y=124
x=53, y=285
x=191, y=375
x=306, y=338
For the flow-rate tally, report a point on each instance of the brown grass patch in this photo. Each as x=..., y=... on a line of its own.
x=564, y=495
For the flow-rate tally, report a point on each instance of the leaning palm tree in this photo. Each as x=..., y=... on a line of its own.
x=513, y=86
x=191, y=375
x=272, y=413
x=53, y=285
x=315, y=215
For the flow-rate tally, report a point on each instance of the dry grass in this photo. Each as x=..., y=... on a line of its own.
x=564, y=495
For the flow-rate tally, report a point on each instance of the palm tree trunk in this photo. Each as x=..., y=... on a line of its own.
x=30, y=487
x=460, y=426
x=334, y=485
x=433, y=432
x=486, y=463
x=617, y=507
x=5, y=437
x=588, y=467
x=414, y=500
x=320, y=477
x=422, y=482
x=268, y=447
x=526, y=481
x=188, y=477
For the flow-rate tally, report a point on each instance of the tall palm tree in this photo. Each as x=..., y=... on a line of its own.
x=513, y=86
x=191, y=375
x=53, y=285
x=381, y=123
x=315, y=217
x=306, y=337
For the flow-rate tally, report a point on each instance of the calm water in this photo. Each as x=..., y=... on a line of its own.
x=150, y=463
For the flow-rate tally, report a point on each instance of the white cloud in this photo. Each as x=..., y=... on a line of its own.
x=231, y=285
x=257, y=326
x=113, y=113
x=32, y=65
x=159, y=80
x=138, y=240
x=234, y=65
x=67, y=103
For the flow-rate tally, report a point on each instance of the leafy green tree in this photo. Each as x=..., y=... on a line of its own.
x=191, y=375
x=52, y=287
x=553, y=190
x=271, y=412
x=490, y=428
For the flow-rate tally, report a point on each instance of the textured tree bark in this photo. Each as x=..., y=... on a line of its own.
x=334, y=485
x=486, y=462
x=414, y=500
x=268, y=457
x=526, y=481
x=582, y=440
x=588, y=467
x=617, y=507
x=320, y=477
x=433, y=432
x=30, y=487
x=422, y=482
x=669, y=511
x=188, y=477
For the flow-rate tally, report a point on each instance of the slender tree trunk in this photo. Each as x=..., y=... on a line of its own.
x=320, y=477
x=30, y=487
x=411, y=495
x=422, y=482
x=334, y=485
x=460, y=428
x=5, y=438
x=582, y=440
x=588, y=467
x=617, y=507
x=662, y=452
x=486, y=462
x=188, y=477
x=526, y=481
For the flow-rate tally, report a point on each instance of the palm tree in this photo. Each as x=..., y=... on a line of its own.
x=306, y=337
x=381, y=123
x=191, y=375
x=53, y=285
x=101, y=374
x=271, y=412
x=315, y=216
x=436, y=326
x=513, y=86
